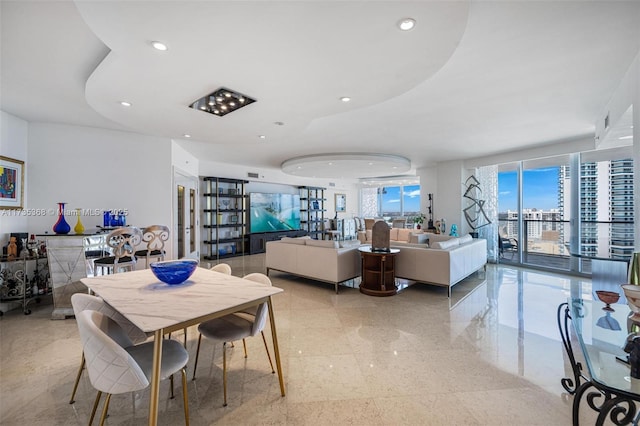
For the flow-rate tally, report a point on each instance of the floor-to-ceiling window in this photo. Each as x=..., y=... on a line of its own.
x=390, y=201
x=593, y=190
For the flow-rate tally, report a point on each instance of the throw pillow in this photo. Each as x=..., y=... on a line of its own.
x=465, y=239
x=404, y=234
x=349, y=243
x=445, y=244
x=323, y=243
x=289, y=240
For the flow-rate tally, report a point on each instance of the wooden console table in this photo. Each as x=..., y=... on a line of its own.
x=378, y=272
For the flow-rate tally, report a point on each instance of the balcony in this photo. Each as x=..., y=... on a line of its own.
x=546, y=243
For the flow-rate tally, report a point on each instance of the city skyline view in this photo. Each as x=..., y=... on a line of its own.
x=539, y=189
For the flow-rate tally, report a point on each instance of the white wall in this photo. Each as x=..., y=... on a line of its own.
x=448, y=197
x=98, y=169
x=13, y=144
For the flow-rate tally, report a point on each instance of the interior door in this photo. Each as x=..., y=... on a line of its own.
x=186, y=216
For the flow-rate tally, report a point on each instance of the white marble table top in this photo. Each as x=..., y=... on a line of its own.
x=153, y=305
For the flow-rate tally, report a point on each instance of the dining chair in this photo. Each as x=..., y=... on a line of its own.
x=122, y=243
x=155, y=237
x=222, y=267
x=115, y=365
x=82, y=302
x=236, y=326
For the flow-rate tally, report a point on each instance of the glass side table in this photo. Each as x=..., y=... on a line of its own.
x=607, y=383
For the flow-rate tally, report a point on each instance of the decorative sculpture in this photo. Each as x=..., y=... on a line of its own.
x=380, y=236
x=474, y=214
x=454, y=230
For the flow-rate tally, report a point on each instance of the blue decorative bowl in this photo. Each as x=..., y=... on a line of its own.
x=174, y=272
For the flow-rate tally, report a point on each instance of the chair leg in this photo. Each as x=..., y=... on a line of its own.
x=185, y=396
x=244, y=345
x=95, y=407
x=75, y=386
x=224, y=372
x=172, y=396
x=267, y=349
x=185, y=338
x=105, y=409
x=195, y=364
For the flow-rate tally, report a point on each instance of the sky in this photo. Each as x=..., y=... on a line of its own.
x=539, y=188
x=391, y=200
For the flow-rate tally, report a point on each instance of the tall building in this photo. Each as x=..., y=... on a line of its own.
x=606, y=207
x=621, y=209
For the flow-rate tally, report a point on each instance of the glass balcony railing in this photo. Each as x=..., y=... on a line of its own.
x=546, y=243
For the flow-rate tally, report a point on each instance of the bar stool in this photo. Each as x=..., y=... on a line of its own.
x=155, y=236
x=122, y=243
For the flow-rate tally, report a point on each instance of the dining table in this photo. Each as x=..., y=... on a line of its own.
x=158, y=308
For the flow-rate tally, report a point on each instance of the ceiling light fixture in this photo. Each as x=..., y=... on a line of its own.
x=222, y=102
x=345, y=99
x=262, y=137
x=159, y=46
x=346, y=165
x=187, y=135
x=125, y=103
x=406, y=24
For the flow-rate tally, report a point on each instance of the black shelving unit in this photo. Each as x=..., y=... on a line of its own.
x=312, y=210
x=224, y=217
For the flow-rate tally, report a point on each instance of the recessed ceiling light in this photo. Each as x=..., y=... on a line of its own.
x=125, y=103
x=186, y=135
x=406, y=24
x=262, y=137
x=345, y=99
x=159, y=45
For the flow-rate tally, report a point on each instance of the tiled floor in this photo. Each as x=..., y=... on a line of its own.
x=490, y=355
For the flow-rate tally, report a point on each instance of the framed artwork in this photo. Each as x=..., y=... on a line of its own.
x=11, y=183
x=316, y=205
x=341, y=203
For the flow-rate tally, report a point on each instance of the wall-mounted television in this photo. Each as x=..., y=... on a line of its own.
x=273, y=212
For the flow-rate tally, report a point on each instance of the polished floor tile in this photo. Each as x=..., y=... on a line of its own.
x=489, y=355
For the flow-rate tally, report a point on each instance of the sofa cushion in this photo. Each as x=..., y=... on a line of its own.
x=289, y=240
x=404, y=234
x=349, y=243
x=323, y=243
x=453, y=242
x=465, y=239
x=393, y=233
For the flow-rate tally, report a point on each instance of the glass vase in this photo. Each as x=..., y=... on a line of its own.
x=61, y=226
x=79, y=228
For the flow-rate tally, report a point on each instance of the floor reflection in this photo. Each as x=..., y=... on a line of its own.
x=491, y=354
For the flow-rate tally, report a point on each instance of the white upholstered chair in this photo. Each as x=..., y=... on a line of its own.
x=117, y=366
x=236, y=326
x=222, y=267
x=81, y=302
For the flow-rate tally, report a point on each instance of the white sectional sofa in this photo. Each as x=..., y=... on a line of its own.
x=316, y=259
x=445, y=262
x=397, y=236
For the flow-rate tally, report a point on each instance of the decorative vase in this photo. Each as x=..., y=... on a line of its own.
x=79, y=228
x=61, y=226
x=634, y=269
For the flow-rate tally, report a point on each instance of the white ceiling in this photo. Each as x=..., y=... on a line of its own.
x=471, y=79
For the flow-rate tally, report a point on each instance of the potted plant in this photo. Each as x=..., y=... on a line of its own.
x=419, y=220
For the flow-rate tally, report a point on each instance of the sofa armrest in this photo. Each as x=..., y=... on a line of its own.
x=419, y=238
